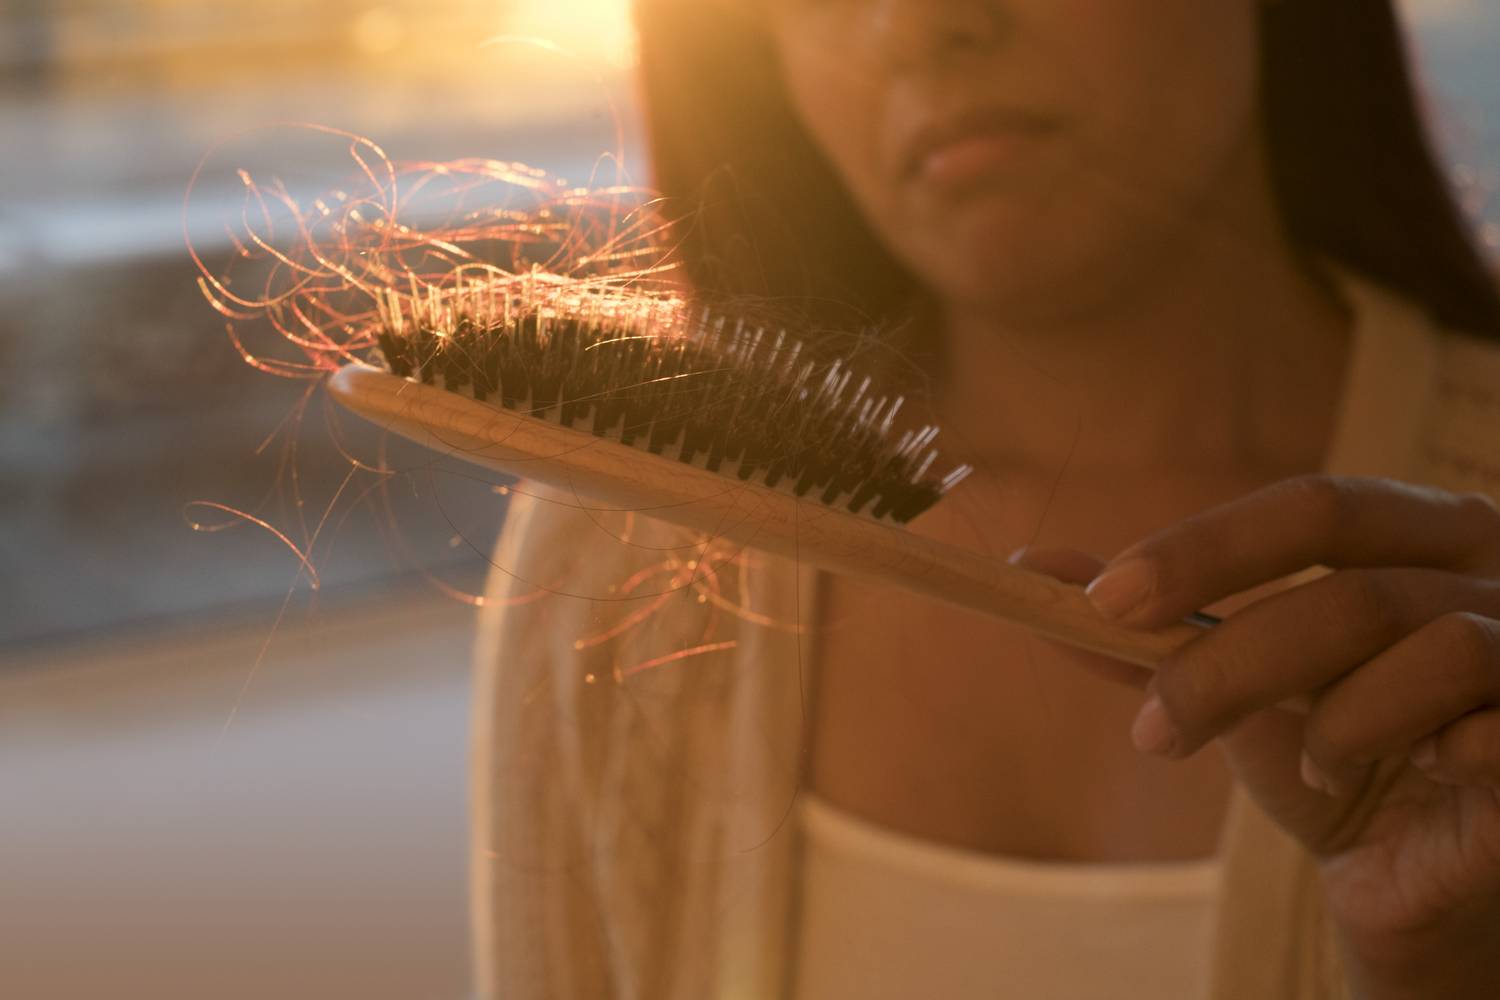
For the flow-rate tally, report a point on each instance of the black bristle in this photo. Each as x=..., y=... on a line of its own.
x=394, y=351
x=713, y=392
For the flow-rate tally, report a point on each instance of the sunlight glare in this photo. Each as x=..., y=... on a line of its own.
x=588, y=29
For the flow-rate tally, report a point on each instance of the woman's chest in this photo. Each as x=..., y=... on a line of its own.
x=972, y=732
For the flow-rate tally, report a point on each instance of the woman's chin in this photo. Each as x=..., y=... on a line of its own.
x=1012, y=257
x=1002, y=271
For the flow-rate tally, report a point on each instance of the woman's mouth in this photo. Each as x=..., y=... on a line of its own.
x=965, y=150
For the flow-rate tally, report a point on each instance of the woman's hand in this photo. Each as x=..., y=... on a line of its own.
x=1392, y=779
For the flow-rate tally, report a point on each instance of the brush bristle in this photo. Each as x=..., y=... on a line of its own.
x=698, y=387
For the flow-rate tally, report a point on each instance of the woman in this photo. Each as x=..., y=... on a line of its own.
x=1180, y=276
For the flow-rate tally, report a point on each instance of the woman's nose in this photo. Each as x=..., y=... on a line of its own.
x=924, y=32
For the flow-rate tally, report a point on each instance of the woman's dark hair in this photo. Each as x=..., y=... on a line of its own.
x=1354, y=170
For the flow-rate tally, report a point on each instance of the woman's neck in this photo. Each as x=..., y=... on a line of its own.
x=1231, y=358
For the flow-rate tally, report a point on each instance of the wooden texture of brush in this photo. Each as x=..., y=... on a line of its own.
x=620, y=476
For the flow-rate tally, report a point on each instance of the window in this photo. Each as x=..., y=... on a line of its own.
x=123, y=399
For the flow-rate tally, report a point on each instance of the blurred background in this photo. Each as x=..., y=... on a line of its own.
x=214, y=783
x=176, y=821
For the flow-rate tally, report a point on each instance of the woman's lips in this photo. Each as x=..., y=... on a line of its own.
x=974, y=158
x=968, y=151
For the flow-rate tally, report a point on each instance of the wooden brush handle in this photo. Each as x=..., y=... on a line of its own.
x=626, y=478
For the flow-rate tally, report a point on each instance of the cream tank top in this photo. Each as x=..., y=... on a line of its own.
x=884, y=915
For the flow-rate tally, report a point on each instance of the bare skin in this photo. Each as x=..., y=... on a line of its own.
x=1132, y=434
x=1091, y=425
x=1138, y=360
x=973, y=733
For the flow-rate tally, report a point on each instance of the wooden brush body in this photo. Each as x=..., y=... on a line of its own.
x=609, y=475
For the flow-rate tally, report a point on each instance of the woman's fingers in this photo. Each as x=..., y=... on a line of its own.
x=1306, y=639
x=1466, y=752
x=1286, y=527
x=1425, y=684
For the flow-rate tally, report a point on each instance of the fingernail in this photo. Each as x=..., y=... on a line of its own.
x=1424, y=754
x=1117, y=591
x=1152, y=731
x=1313, y=776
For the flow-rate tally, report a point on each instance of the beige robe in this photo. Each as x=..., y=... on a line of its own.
x=634, y=830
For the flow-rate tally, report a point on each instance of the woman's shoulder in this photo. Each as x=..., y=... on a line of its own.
x=1469, y=367
x=1461, y=441
x=610, y=593
x=1422, y=400
x=553, y=539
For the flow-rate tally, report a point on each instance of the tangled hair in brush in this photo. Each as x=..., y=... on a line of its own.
x=1355, y=173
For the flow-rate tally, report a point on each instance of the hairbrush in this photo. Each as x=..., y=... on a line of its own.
x=713, y=423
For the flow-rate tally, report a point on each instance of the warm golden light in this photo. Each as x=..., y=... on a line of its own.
x=377, y=31
x=587, y=29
